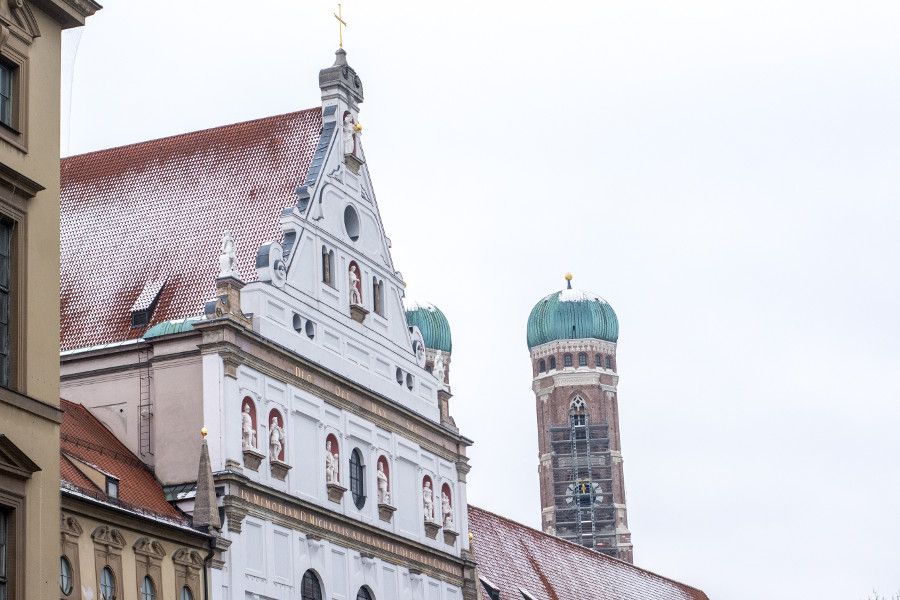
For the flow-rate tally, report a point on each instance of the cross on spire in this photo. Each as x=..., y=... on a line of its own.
x=339, y=15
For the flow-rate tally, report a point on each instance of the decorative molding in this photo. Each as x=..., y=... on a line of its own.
x=431, y=529
x=14, y=462
x=234, y=517
x=69, y=526
x=189, y=558
x=386, y=512
x=336, y=492
x=110, y=537
x=450, y=537
x=150, y=548
x=253, y=458
x=279, y=469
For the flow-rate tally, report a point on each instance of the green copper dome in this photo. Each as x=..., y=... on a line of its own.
x=572, y=315
x=433, y=325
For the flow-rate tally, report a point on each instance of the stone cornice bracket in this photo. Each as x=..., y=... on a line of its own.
x=69, y=13
x=462, y=468
x=234, y=515
x=109, y=537
x=70, y=527
x=231, y=364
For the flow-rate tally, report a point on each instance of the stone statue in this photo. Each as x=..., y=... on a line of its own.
x=428, y=501
x=227, y=260
x=446, y=510
x=355, y=286
x=247, y=429
x=440, y=369
x=350, y=131
x=276, y=439
x=331, y=464
x=384, y=492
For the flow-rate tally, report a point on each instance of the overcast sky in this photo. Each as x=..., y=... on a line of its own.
x=726, y=174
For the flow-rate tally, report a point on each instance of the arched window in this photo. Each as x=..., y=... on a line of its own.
x=364, y=594
x=542, y=366
x=552, y=362
x=186, y=593
x=66, y=578
x=378, y=296
x=567, y=360
x=327, y=266
x=582, y=359
x=357, y=478
x=577, y=412
x=107, y=584
x=310, y=589
x=148, y=590
x=609, y=362
x=598, y=361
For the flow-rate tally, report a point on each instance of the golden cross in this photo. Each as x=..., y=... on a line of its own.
x=341, y=24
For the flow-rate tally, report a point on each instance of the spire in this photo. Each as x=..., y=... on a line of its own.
x=206, y=511
x=341, y=81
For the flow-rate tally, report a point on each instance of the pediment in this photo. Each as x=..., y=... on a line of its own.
x=148, y=547
x=15, y=462
x=17, y=16
x=108, y=536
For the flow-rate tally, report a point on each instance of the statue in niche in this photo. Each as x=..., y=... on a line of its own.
x=228, y=258
x=446, y=510
x=384, y=492
x=440, y=369
x=331, y=464
x=355, y=286
x=428, y=501
x=248, y=430
x=351, y=130
x=276, y=439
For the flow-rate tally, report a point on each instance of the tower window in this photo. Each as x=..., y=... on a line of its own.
x=357, y=475
x=609, y=362
x=552, y=362
x=582, y=359
x=598, y=361
x=578, y=414
x=542, y=366
x=567, y=360
x=327, y=266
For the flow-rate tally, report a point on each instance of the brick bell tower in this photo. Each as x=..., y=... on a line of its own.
x=572, y=338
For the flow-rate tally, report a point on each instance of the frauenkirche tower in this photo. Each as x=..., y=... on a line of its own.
x=572, y=337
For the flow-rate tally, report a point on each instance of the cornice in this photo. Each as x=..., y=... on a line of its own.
x=69, y=13
x=582, y=345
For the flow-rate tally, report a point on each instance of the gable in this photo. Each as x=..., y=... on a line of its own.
x=135, y=216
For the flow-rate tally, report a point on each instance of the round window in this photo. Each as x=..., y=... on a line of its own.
x=351, y=222
x=66, y=580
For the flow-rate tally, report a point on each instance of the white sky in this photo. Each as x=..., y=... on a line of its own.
x=724, y=173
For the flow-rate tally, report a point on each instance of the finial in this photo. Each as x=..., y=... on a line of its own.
x=569, y=281
x=204, y=432
x=339, y=15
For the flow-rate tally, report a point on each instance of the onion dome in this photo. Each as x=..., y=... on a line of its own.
x=572, y=314
x=433, y=325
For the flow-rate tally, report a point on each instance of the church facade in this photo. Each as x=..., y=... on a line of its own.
x=572, y=336
x=259, y=300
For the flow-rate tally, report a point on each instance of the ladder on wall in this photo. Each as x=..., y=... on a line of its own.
x=145, y=406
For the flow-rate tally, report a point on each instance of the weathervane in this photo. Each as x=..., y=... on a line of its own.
x=339, y=15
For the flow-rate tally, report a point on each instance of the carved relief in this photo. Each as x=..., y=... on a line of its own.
x=148, y=547
x=109, y=537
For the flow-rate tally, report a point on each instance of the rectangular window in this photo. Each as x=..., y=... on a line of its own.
x=608, y=361
x=112, y=489
x=567, y=360
x=4, y=554
x=7, y=94
x=582, y=360
x=6, y=230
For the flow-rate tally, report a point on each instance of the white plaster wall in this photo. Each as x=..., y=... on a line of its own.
x=308, y=422
x=267, y=561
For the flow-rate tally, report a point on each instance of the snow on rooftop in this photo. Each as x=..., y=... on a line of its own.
x=576, y=295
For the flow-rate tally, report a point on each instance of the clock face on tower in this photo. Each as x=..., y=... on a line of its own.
x=584, y=493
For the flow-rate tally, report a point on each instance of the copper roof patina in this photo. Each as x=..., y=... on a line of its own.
x=153, y=213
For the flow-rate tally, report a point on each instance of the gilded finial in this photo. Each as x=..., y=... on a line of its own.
x=569, y=280
x=204, y=432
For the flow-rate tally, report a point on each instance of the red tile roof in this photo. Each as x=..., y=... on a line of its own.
x=135, y=215
x=84, y=438
x=516, y=558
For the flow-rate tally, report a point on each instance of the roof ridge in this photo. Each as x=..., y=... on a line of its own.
x=583, y=549
x=64, y=159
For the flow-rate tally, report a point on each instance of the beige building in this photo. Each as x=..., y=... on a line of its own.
x=30, y=37
x=120, y=538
